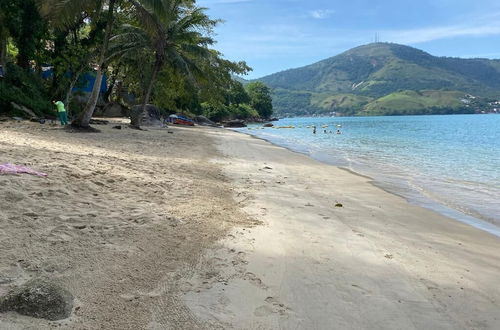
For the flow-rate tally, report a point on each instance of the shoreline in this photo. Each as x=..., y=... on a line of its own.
x=375, y=262
x=423, y=201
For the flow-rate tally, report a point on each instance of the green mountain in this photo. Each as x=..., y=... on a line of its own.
x=385, y=78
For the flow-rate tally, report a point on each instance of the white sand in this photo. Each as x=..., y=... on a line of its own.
x=190, y=230
x=122, y=218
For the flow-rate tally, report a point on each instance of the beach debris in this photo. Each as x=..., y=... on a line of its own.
x=117, y=127
x=389, y=256
x=98, y=122
x=18, y=169
x=337, y=204
x=267, y=168
x=308, y=204
x=39, y=298
x=27, y=112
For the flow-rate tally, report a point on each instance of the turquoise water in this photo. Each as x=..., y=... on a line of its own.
x=447, y=163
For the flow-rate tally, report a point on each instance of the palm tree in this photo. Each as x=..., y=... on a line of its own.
x=4, y=34
x=176, y=32
x=62, y=12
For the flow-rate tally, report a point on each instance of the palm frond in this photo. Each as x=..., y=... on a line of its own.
x=62, y=13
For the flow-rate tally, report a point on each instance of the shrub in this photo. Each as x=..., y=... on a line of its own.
x=23, y=88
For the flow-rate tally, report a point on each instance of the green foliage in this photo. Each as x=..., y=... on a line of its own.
x=243, y=111
x=374, y=71
x=260, y=98
x=25, y=89
x=292, y=103
x=174, y=94
x=237, y=93
x=346, y=104
x=237, y=105
x=216, y=113
x=26, y=27
x=418, y=103
x=159, y=50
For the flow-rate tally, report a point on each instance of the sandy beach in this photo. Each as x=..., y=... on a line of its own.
x=204, y=228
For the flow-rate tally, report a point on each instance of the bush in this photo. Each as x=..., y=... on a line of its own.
x=243, y=111
x=215, y=113
x=23, y=88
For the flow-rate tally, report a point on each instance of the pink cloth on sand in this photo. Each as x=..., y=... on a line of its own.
x=18, y=169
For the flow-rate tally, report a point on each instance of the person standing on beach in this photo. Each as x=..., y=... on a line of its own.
x=61, y=112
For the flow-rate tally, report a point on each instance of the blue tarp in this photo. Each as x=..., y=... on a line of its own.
x=87, y=80
x=85, y=83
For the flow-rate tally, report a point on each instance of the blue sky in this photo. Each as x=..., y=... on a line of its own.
x=275, y=35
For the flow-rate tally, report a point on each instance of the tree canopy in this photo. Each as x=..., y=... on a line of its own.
x=141, y=51
x=261, y=100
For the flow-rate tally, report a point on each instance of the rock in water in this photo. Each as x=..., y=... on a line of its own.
x=39, y=298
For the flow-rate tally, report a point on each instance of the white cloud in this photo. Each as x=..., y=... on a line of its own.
x=321, y=13
x=484, y=26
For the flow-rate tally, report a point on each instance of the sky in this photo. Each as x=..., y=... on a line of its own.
x=275, y=35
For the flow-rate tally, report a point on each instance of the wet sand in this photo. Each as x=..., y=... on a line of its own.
x=377, y=262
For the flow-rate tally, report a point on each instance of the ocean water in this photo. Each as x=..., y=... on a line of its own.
x=450, y=164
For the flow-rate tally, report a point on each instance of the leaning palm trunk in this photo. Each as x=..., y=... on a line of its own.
x=84, y=119
x=136, y=120
x=72, y=84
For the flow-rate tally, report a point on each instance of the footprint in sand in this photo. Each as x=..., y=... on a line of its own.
x=253, y=279
x=360, y=288
x=263, y=310
x=273, y=307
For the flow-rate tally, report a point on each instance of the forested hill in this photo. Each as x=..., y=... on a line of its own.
x=384, y=78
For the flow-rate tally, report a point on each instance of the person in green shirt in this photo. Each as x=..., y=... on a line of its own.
x=61, y=112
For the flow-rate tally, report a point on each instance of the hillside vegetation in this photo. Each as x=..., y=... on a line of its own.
x=383, y=79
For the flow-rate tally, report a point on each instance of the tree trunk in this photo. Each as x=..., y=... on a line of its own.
x=136, y=120
x=84, y=119
x=112, y=83
x=3, y=54
x=70, y=89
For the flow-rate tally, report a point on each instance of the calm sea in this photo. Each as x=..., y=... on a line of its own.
x=447, y=163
